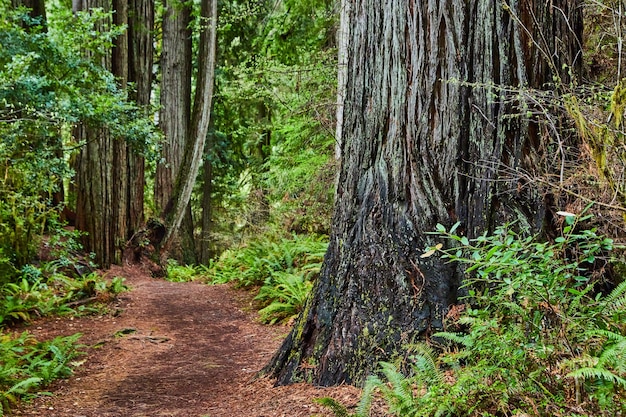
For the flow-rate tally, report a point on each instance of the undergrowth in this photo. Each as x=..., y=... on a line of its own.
x=185, y=273
x=538, y=334
x=53, y=287
x=283, y=269
x=29, y=365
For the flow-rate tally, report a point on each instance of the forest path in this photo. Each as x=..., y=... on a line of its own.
x=174, y=349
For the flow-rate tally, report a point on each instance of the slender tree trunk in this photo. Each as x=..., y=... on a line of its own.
x=206, y=244
x=199, y=124
x=141, y=57
x=343, y=35
x=427, y=131
x=121, y=184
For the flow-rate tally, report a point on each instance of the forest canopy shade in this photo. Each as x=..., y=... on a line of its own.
x=429, y=126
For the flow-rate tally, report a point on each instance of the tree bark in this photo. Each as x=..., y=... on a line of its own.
x=200, y=118
x=141, y=57
x=206, y=245
x=94, y=173
x=110, y=174
x=430, y=127
x=175, y=113
x=121, y=184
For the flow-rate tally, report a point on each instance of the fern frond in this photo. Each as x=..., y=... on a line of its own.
x=596, y=373
x=425, y=365
x=614, y=355
x=617, y=293
x=337, y=408
x=460, y=338
x=372, y=383
x=611, y=336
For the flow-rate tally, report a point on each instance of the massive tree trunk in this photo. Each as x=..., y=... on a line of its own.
x=199, y=126
x=432, y=129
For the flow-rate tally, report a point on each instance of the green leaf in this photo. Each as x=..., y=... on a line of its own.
x=454, y=227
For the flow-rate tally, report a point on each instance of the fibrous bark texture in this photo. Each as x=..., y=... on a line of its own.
x=110, y=173
x=198, y=129
x=174, y=116
x=431, y=119
x=95, y=186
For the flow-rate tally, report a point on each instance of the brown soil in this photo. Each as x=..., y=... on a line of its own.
x=174, y=349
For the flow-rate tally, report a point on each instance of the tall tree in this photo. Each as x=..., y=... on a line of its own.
x=430, y=128
x=95, y=213
x=141, y=59
x=175, y=113
x=199, y=126
x=110, y=173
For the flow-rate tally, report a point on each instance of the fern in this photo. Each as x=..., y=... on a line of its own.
x=616, y=300
x=598, y=373
x=337, y=409
x=459, y=338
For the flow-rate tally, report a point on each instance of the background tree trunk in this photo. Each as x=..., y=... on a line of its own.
x=141, y=57
x=174, y=116
x=427, y=129
x=110, y=175
x=199, y=126
x=121, y=183
x=94, y=173
x=206, y=245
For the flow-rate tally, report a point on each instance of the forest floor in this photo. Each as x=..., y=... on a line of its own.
x=174, y=349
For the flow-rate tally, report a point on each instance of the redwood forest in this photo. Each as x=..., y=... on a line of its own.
x=312, y=208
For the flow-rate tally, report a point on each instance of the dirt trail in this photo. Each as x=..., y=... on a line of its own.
x=174, y=349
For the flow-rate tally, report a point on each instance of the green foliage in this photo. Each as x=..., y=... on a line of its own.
x=536, y=334
x=50, y=80
x=184, y=273
x=335, y=406
x=284, y=270
x=35, y=297
x=286, y=293
x=273, y=133
x=29, y=365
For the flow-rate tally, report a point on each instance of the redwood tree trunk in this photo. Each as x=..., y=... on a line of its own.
x=427, y=129
x=94, y=173
x=141, y=58
x=110, y=174
x=175, y=115
x=198, y=128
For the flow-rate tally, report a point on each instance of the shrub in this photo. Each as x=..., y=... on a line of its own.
x=536, y=335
